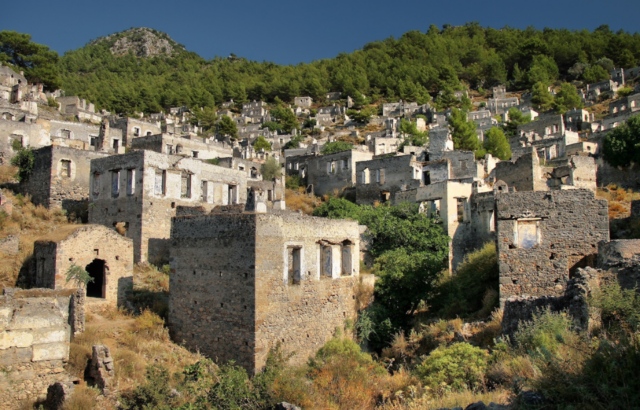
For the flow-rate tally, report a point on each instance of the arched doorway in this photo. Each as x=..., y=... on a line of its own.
x=96, y=270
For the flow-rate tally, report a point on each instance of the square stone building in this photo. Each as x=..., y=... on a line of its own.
x=544, y=236
x=243, y=282
x=139, y=192
x=105, y=254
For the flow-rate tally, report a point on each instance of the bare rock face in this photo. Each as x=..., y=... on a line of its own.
x=101, y=370
x=143, y=41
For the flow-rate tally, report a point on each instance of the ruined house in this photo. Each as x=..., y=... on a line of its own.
x=242, y=283
x=133, y=128
x=578, y=120
x=499, y=106
x=140, y=191
x=102, y=252
x=466, y=211
x=60, y=178
x=303, y=102
x=195, y=147
x=88, y=137
x=543, y=237
x=628, y=103
x=79, y=108
x=379, y=179
x=327, y=173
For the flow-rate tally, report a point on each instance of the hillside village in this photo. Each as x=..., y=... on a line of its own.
x=249, y=267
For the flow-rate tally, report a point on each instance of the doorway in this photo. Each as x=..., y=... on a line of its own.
x=96, y=270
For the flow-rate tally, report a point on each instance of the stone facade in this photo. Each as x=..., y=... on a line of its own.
x=378, y=180
x=132, y=128
x=141, y=190
x=327, y=173
x=244, y=282
x=543, y=237
x=195, y=147
x=105, y=254
x=60, y=178
x=35, y=329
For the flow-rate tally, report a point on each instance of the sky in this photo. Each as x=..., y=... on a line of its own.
x=292, y=32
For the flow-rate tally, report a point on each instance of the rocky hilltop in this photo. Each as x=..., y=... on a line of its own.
x=144, y=42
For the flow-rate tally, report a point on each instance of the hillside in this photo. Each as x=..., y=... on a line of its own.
x=414, y=67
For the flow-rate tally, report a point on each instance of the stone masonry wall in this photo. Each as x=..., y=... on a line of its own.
x=230, y=297
x=212, y=299
x=399, y=172
x=34, y=343
x=543, y=237
x=524, y=174
x=324, y=180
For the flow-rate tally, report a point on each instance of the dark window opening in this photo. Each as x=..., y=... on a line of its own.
x=293, y=272
x=426, y=175
x=116, y=144
x=96, y=270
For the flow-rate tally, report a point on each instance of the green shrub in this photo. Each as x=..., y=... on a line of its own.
x=24, y=160
x=336, y=146
x=545, y=333
x=473, y=289
x=214, y=161
x=16, y=145
x=619, y=308
x=51, y=102
x=294, y=182
x=78, y=275
x=456, y=367
x=154, y=394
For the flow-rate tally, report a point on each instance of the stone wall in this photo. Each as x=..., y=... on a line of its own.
x=623, y=177
x=35, y=330
x=386, y=177
x=334, y=171
x=543, y=237
x=82, y=245
x=523, y=174
x=231, y=295
x=547, y=125
x=28, y=134
x=150, y=186
x=197, y=148
x=60, y=178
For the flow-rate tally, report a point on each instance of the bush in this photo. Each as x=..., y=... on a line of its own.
x=24, y=160
x=214, y=161
x=336, y=146
x=463, y=293
x=51, y=102
x=457, y=367
x=270, y=169
x=545, y=333
x=619, y=308
x=294, y=182
x=154, y=394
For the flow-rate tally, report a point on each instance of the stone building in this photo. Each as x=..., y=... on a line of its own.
x=35, y=330
x=133, y=128
x=102, y=252
x=545, y=126
x=543, y=237
x=628, y=103
x=60, y=178
x=64, y=132
x=12, y=85
x=578, y=120
x=466, y=211
x=26, y=134
x=380, y=145
x=195, y=147
x=303, y=102
x=140, y=191
x=255, y=109
x=79, y=108
x=327, y=173
x=499, y=106
x=379, y=179
x=243, y=283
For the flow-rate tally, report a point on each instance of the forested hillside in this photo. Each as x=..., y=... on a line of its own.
x=411, y=67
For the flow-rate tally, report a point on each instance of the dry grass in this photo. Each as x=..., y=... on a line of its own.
x=457, y=399
x=619, y=200
x=135, y=342
x=31, y=223
x=7, y=174
x=300, y=201
x=83, y=398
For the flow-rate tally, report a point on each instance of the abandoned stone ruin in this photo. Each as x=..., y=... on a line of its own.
x=247, y=272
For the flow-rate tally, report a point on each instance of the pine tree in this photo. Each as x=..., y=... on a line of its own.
x=463, y=132
x=541, y=97
x=496, y=144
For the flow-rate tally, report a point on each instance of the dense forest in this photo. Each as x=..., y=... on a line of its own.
x=412, y=67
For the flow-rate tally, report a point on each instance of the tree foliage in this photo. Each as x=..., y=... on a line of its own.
x=335, y=146
x=496, y=144
x=286, y=119
x=40, y=65
x=622, y=146
x=404, y=68
x=412, y=136
x=24, y=160
x=541, y=97
x=271, y=169
x=566, y=99
x=463, y=132
x=228, y=127
x=516, y=117
x=261, y=143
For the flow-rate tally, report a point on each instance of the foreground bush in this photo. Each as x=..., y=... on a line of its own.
x=456, y=367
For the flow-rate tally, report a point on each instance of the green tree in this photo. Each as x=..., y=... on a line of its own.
x=286, y=118
x=622, y=146
x=207, y=118
x=516, y=117
x=226, y=126
x=37, y=61
x=567, y=99
x=24, y=160
x=543, y=70
x=541, y=97
x=463, y=132
x=261, y=143
x=594, y=74
x=271, y=169
x=271, y=126
x=496, y=144
x=335, y=146
x=362, y=116
x=412, y=136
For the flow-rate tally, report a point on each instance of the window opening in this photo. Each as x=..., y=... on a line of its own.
x=115, y=183
x=96, y=270
x=160, y=182
x=294, y=265
x=65, y=168
x=326, y=263
x=131, y=182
